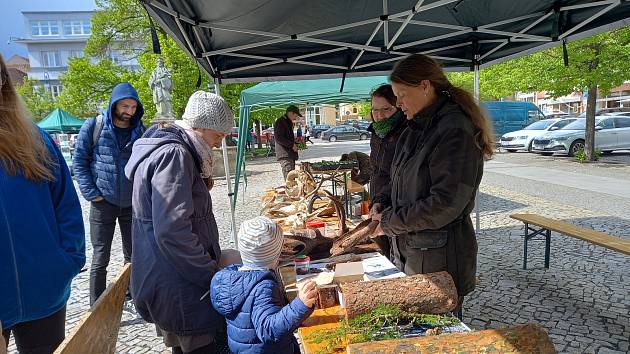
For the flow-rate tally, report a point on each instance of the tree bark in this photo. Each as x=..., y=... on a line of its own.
x=530, y=338
x=591, y=103
x=432, y=293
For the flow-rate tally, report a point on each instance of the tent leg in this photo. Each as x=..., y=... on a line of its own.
x=226, y=165
x=476, y=93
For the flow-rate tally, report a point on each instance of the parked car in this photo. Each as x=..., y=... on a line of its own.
x=317, y=129
x=522, y=139
x=363, y=124
x=508, y=116
x=611, y=133
x=345, y=132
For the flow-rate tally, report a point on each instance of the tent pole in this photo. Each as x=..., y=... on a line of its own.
x=476, y=93
x=226, y=165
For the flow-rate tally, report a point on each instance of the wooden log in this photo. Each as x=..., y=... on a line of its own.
x=432, y=293
x=530, y=338
x=346, y=242
x=97, y=332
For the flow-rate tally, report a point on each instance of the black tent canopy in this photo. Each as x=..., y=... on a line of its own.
x=288, y=39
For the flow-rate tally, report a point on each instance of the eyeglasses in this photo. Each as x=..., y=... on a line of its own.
x=382, y=110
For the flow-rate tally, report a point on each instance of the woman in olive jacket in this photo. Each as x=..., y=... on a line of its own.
x=388, y=123
x=436, y=172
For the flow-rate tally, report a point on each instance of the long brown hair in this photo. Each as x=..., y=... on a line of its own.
x=22, y=147
x=413, y=69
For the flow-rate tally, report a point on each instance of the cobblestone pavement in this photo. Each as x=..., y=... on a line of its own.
x=582, y=299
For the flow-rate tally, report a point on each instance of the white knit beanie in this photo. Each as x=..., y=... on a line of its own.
x=260, y=242
x=206, y=110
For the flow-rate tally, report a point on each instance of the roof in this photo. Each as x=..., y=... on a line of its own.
x=282, y=39
x=16, y=76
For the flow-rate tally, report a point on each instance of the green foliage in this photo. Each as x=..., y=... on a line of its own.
x=365, y=109
x=383, y=322
x=121, y=21
x=580, y=155
x=267, y=115
x=597, y=61
x=37, y=100
x=88, y=85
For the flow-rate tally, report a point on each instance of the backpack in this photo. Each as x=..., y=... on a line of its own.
x=98, y=127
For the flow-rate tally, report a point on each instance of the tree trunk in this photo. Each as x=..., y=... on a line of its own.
x=591, y=102
x=259, y=133
x=530, y=338
x=432, y=293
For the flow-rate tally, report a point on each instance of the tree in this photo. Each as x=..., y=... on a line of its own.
x=596, y=64
x=37, y=100
x=88, y=85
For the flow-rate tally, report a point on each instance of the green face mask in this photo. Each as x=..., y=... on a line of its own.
x=385, y=126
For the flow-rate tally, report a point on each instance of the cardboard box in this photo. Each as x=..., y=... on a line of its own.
x=348, y=272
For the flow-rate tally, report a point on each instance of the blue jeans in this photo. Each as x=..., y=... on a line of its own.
x=103, y=216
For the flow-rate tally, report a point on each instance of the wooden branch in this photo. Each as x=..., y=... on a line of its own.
x=530, y=338
x=346, y=242
x=432, y=293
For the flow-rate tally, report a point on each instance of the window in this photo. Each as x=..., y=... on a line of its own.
x=44, y=28
x=354, y=110
x=51, y=59
x=76, y=28
x=533, y=115
x=606, y=124
x=622, y=122
x=76, y=53
x=55, y=90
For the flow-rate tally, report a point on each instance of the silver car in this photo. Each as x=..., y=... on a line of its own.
x=611, y=133
x=522, y=139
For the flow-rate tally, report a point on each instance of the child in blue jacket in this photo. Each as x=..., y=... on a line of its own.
x=252, y=299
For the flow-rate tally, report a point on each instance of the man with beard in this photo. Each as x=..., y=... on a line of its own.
x=103, y=148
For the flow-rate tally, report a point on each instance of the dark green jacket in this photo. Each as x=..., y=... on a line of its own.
x=436, y=171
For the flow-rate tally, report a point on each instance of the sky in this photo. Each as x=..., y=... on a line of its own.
x=12, y=21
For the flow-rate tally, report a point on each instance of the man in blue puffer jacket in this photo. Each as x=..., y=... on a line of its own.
x=252, y=299
x=102, y=150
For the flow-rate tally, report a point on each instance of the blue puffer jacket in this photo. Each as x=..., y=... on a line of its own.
x=42, y=242
x=258, y=318
x=100, y=169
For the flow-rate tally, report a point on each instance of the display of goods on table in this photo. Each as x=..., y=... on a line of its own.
x=333, y=165
x=303, y=201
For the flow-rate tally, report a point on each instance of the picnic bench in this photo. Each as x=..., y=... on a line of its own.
x=539, y=225
x=97, y=332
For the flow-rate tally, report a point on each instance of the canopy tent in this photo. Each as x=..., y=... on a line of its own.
x=309, y=92
x=60, y=121
x=321, y=91
x=236, y=41
x=280, y=39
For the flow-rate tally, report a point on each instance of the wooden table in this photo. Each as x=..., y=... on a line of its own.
x=321, y=319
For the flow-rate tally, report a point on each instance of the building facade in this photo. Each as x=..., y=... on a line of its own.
x=52, y=38
x=321, y=114
x=575, y=102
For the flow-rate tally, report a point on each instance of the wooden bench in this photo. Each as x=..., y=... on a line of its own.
x=544, y=226
x=97, y=331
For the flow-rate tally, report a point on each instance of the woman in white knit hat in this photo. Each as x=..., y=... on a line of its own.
x=175, y=237
x=252, y=299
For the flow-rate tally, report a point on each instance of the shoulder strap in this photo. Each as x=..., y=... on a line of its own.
x=98, y=127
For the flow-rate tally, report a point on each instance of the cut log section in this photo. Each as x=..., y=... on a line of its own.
x=432, y=293
x=530, y=339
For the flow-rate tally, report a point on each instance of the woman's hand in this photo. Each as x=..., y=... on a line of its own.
x=376, y=208
x=307, y=292
x=378, y=231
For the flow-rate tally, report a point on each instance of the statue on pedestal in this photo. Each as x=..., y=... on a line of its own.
x=162, y=87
